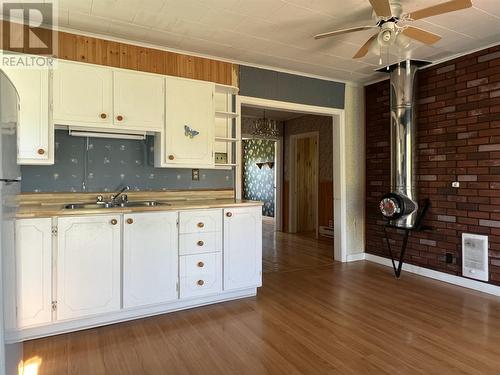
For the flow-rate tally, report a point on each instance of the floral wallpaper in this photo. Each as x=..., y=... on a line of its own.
x=258, y=184
x=104, y=164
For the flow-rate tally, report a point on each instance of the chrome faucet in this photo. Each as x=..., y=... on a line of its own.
x=124, y=197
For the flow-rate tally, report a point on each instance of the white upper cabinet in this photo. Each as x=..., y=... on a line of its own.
x=88, y=265
x=34, y=271
x=35, y=133
x=242, y=248
x=139, y=100
x=150, y=258
x=82, y=94
x=189, y=125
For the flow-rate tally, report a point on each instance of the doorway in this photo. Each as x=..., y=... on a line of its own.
x=304, y=175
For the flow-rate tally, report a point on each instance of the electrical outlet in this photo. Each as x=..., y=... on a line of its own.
x=455, y=184
x=449, y=258
x=195, y=174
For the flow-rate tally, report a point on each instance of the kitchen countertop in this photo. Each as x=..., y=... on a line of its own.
x=49, y=209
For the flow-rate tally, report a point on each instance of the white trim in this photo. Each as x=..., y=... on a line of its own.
x=292, y=194
x=339, y=160
x=356, y=257
x=441, y=276
x=58, y=327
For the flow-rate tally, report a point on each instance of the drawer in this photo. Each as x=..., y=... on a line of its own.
x=200, y=221
x=200, y=275
x=199, y=243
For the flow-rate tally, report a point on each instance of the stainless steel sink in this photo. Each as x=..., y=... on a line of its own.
x=78, y=206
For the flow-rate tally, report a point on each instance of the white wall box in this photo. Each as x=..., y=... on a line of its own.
x=242, y=247
x=88, y=265
x=139, y=100
x=35, y=133
x=188, y=139
x=150, y=258
x=82, y=94
x=34, y=271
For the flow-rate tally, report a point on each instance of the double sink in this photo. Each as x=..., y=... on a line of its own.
x=87, y=206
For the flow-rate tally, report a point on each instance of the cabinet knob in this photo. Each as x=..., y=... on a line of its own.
x=200, y=225
x=114, y=221
x=229, y=214
x=103, y=115
x=200, y=243
x=41, y=151
x=200, y=264
x=130, y=221
x=200, y=282
x=119, y=117
x=171, y=157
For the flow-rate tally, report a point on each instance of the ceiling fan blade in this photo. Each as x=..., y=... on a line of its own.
x=382, y=8
x=421, y=35
x=449, y=6
x=343, y=31
x=364, y=49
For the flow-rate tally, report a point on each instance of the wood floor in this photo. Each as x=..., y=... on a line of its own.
x=312, y=316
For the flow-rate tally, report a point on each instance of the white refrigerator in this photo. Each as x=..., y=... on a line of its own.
x=10, y=186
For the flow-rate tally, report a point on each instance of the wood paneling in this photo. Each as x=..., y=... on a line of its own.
x=325, y=202
x=306, y=180
x=325, y=318
x=121, y=55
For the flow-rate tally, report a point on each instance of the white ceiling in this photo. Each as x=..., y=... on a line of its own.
x=278, y=33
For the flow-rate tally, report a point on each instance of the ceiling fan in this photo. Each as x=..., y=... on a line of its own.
x=389, y=13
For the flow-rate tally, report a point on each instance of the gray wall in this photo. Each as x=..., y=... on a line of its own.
x=269, y=84
x=105, y=164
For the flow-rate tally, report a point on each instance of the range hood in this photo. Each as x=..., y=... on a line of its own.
x=400, y=205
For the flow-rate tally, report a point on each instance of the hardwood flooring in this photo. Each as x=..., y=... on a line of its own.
x=313, y=316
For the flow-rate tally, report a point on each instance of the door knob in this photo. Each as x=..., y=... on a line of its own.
x=200, y=225
x=200, y=282
x=114, y=222
x=103, y=115
x=41, y=151
x=119, y=117
x=229, y=214
x=130, y=221
x=200, y=264
x=200, y=243
x=171, y=157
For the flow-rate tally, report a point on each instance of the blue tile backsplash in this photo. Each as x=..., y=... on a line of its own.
x=101, y=164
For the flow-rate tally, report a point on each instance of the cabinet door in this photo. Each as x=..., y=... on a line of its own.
x=138, y=100
x=82, y=94
x=190, y=123
x=150, y=258
x=35, y=134
x=242, y=248
x=88, y=265
x=34, y=271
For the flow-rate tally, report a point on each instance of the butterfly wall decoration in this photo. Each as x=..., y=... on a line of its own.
x=189, y=132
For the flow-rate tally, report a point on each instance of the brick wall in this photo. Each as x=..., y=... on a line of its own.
x=458, y=140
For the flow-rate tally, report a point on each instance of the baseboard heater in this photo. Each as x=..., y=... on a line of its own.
x=326, y=231
x=101, y=134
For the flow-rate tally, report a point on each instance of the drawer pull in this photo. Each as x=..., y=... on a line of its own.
x=103, y=115
x=200, y=282
x=200, y=225
x=201, y=264
x=200, y=243
x=229, y=214
x=114, y=222
x=171, y=157
x=119, y=117
x=130, y=221
x=41, y=151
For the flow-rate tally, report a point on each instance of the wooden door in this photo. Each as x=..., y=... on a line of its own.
x=139, y=100
x=34, y=271
x=88, y=265
x=82, y=94
x=306, y=183
x=150, y=258
x=190, y=123
x=242, y=248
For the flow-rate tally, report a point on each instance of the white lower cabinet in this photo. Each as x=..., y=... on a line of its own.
x=200, y=275
x=242, y=247
x=150, y=258
x=88, y=265
x=34, y=271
